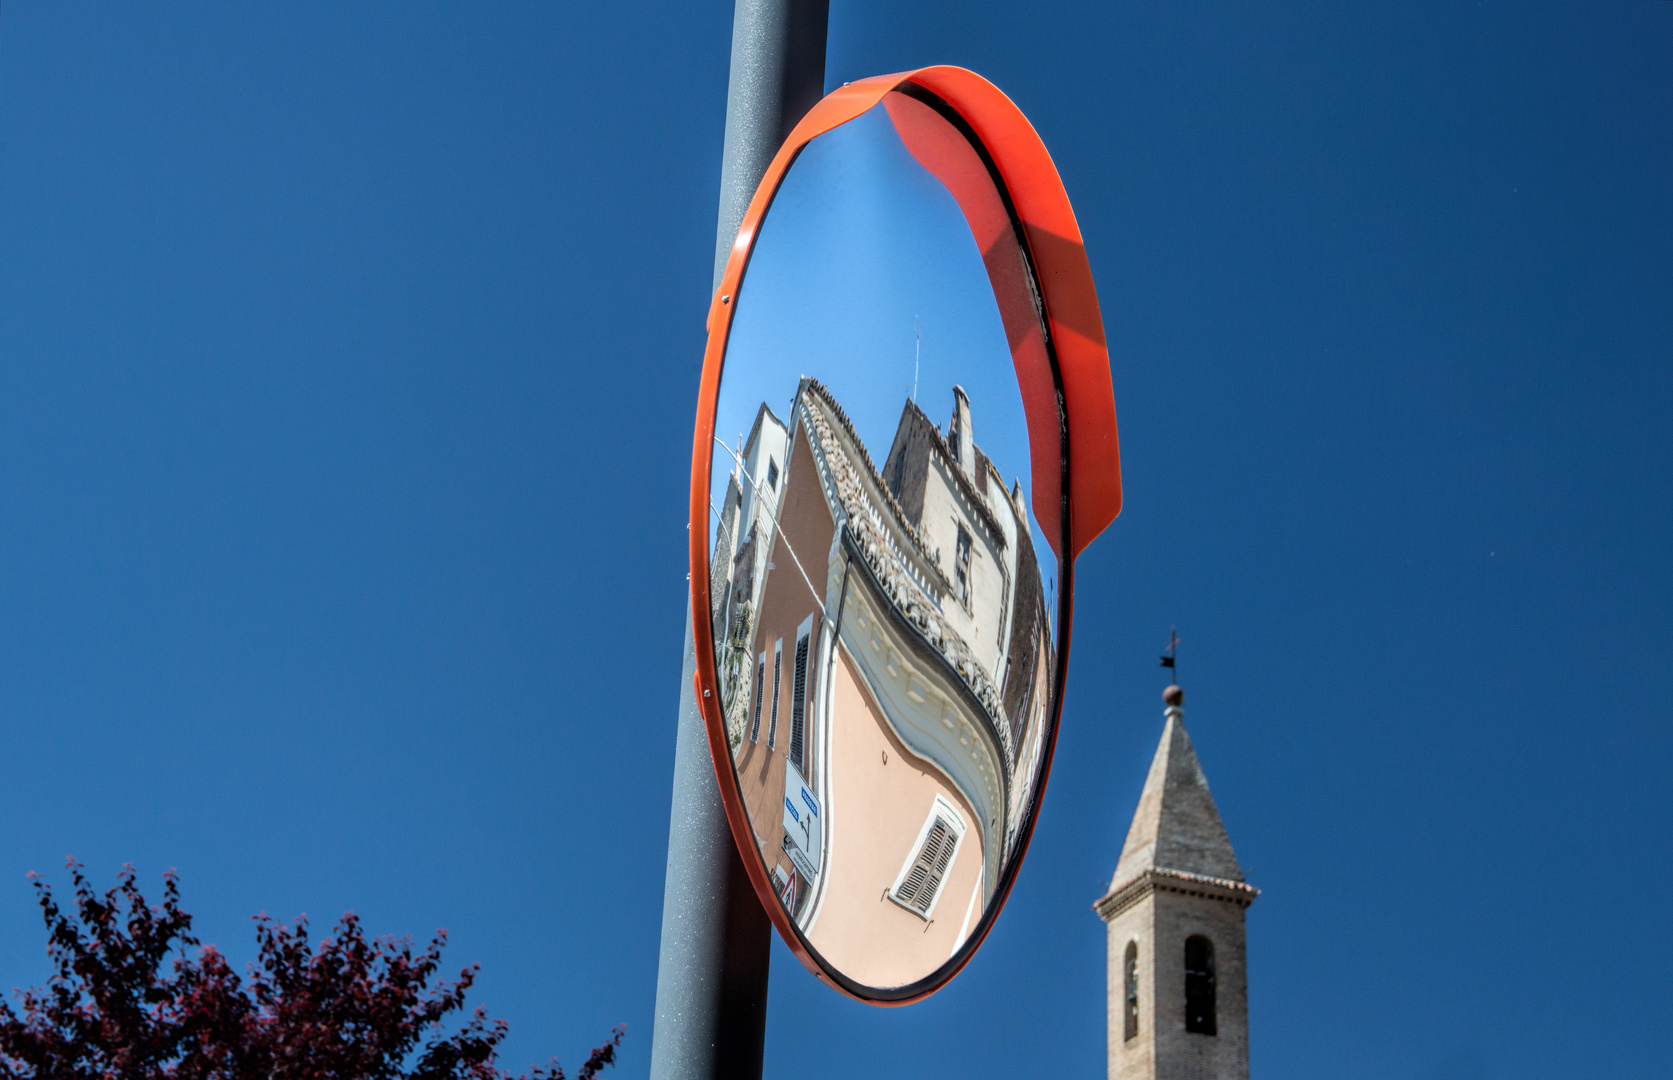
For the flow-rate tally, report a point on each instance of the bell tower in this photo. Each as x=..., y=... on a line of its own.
x=1178, y=988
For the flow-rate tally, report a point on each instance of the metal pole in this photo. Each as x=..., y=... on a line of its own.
x=711, y=980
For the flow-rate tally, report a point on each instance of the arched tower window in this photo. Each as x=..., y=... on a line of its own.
x=1131, y=968
x=1199, y=985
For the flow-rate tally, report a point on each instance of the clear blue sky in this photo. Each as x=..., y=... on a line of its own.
x=347, y=362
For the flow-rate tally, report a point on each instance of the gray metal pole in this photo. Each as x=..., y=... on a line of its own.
x=711, y=979
x=778, y=74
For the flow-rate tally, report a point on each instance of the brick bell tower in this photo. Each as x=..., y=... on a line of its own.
x=1178, y=989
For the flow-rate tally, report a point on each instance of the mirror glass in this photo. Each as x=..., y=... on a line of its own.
x=883, y=596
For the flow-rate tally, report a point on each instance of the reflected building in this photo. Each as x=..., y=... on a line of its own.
x=885, y=654
x=737, y=567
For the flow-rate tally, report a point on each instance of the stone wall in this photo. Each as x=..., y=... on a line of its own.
x=1160, y=921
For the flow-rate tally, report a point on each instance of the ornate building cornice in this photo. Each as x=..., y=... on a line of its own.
x=869, y=509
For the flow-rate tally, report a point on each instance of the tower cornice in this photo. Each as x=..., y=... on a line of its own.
x=1163, y=879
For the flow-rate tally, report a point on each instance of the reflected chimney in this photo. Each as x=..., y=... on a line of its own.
x=958, y=432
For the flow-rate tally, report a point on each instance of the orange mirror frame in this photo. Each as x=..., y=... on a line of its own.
x=1063, y=373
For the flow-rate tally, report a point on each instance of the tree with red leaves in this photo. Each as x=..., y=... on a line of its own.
x=351, y=1008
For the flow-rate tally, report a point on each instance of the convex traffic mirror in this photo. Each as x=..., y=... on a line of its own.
x=906, y=432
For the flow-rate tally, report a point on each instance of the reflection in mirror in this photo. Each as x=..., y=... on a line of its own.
x=882, y=593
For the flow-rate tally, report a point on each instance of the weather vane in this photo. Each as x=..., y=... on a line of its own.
x=1169, y=657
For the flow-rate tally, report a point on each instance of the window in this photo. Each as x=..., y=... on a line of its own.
x=1130, y=1022
x=798, y=699
x=772, y=474
x=1199, y=985
x=772, y=724
x=919, y=884
x=760, y=686
x=961, y=568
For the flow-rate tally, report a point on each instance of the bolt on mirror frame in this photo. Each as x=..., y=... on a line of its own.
x=1069, y=405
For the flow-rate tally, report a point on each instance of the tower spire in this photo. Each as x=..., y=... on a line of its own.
x=1177, y=826
x=1178, y=991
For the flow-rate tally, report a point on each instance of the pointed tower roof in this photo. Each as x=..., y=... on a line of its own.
x=1177, y=827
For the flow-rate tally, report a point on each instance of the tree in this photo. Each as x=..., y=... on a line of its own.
x=351, y=1008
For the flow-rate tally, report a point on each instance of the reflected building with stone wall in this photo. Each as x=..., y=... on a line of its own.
x=886, y=656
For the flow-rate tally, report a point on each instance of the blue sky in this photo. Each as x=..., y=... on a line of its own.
x=347, y=365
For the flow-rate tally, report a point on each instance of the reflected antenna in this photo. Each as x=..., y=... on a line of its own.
x=917, y=351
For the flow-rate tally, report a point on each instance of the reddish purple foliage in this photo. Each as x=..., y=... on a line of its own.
x=348, y=1009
